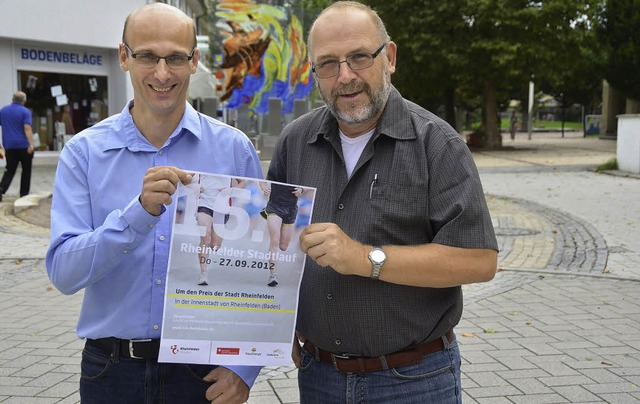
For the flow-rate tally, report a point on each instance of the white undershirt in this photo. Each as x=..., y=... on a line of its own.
x=352, y=148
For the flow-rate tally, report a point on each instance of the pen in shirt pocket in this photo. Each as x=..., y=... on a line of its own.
x=373, y=183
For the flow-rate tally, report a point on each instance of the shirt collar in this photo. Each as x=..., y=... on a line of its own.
x=123, y=133
x=394, y=122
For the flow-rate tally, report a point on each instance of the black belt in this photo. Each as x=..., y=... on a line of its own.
x=361, y=364
x=128, y=348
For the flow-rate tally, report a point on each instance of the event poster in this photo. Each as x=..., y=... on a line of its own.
x=234, y=273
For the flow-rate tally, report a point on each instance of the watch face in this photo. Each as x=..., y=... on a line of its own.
x=377, y=256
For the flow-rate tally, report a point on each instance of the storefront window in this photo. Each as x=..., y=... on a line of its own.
x=63, y=104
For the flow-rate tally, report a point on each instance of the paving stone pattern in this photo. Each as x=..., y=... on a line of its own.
x=560, y=323
x=533, y=236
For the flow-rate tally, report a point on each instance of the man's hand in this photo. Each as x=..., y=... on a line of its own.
x=297, y=191
x=296, y=354
x=266, y=189
x=329, y=246
x=227, y=387
x=159, y=184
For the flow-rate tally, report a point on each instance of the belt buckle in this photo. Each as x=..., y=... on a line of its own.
x=131, y=341
x=336, y=356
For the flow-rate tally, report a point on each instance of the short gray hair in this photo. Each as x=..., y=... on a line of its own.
x=20, y=97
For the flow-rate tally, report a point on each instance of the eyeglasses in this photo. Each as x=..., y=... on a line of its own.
x=150, y=60
x=357, y=61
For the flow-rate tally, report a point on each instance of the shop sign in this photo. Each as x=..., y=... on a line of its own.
x=61, y=56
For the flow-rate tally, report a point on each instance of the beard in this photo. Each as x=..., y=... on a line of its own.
x=352, y=113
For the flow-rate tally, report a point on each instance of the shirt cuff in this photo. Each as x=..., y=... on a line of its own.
x=247, y=373
x=138, y=218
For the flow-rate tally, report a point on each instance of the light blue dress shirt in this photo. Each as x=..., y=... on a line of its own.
x=105, y=242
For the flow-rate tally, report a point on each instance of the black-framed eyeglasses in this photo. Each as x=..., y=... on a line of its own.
x=357, y=61
x=150, y=60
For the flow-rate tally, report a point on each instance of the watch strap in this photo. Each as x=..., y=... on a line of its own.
x=376, y=265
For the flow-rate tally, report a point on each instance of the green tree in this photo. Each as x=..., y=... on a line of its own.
x=431, y=37
x=500, y=57
x=462, y=50
x=619, y=34
x=452, y=52
x=574, y=77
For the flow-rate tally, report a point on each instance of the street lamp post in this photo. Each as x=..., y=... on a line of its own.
x=530, y=118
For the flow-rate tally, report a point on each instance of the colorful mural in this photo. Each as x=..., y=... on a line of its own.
x=261, y=55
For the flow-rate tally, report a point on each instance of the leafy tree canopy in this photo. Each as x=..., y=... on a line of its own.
x=460, y=51
x=619, y=34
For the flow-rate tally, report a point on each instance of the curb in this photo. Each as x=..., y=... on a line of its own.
x=619, y=173
x=29, y=201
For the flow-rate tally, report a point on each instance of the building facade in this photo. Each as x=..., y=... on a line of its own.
x=63, y=55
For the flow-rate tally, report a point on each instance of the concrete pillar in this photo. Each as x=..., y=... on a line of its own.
x=209, y=106
x=274, y=122
x=612, y=106
x=300, y=107
x=244, y=120
x=632, y=106
x=628, y=143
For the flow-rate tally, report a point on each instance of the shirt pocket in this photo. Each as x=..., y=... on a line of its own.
x=398, y=213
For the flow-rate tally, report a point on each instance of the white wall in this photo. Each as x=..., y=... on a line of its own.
x=96, y=23
x=60, y=24
x=118, y=80
x=72, y=24
x=8, y=82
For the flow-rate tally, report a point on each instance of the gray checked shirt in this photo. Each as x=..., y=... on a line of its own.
x=415, y=183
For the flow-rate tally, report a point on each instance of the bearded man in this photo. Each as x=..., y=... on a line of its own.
x=400, y=222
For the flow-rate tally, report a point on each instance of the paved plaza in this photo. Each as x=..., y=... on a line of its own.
x=560, y=323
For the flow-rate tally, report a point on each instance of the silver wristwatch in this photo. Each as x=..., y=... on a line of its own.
x=377, y=258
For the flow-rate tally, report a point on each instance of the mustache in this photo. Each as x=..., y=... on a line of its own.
x=350, y=88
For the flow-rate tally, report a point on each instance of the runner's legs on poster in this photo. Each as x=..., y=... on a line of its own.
x=210, y=241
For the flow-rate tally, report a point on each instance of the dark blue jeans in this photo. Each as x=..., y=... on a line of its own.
x=15, y=157
x=436, y=379
x=110, y=380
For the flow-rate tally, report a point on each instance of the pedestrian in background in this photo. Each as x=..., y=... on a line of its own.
x=17, y=141
x=400, y=222
x=111, y=219
x=513, y=124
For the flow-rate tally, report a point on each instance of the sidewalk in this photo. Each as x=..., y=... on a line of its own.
x=559, y=323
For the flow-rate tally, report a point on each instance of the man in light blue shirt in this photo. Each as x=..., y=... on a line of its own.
x=111, y=221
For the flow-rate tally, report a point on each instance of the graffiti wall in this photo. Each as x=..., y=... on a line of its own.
x=258, y=53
